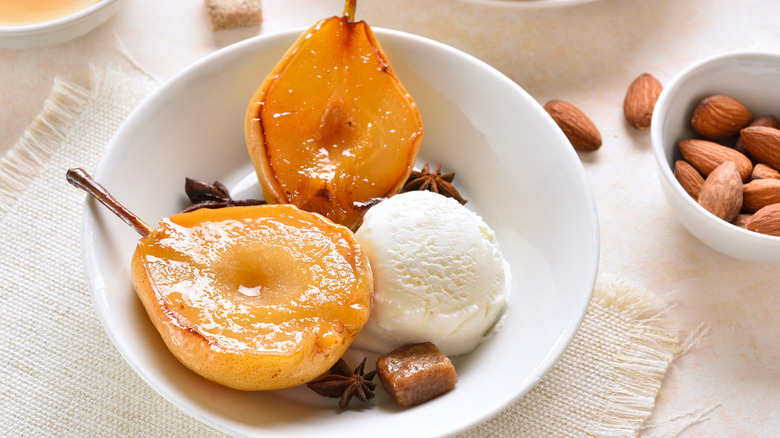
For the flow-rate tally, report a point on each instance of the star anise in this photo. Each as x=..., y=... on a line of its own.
x=205, y=195
x=344, y=383
x=433, y=182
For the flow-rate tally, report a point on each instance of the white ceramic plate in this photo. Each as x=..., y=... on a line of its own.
x=512, y=162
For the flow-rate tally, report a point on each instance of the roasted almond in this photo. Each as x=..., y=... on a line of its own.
x=766, y=220
x=769, y=121
x=763, y=144
x=578, y=128
x=640, y=100
x=705, y=156
x=720, y=116
x=762, y=171
x=741, y=220
x=721, y=193
x=689, y=178
x=759, y=193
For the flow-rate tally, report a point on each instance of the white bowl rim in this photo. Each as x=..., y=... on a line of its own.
x=656, y=133
x=55, y=23
x=556, y=351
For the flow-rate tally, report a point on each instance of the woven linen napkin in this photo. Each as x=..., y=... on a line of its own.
x=61, y=376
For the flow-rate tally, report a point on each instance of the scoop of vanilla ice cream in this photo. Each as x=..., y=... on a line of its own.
x=438, y=274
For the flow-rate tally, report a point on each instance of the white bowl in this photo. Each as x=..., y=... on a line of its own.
x=59, y=30
x=513, y=164
x=751, y=78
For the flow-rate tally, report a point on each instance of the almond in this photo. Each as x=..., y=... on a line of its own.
x=741, y=220
x=720, y=116
x=705, y=156
x=770, y=121
x=766, y=220
x=759, y=193
x=640, y=100
x=763, y=144
x=689, y=178
x=578, y=128
x=762, y=171
x=721, y=193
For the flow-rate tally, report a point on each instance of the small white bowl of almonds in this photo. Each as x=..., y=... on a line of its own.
x=717, y=145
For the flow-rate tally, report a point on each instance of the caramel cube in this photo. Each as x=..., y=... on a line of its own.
x=416, y=373
x=225, y=14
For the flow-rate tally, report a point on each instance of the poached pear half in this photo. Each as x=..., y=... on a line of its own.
x=332, y=129
x=254, y=298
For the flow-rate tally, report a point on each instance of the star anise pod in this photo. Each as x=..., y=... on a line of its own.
x=205, y=195
x=433, y=182
x=345, y=383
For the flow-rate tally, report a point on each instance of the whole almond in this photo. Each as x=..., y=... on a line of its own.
x=721, y=193
x=640, y=100
x=741, y=220
x=759, y=193
x=689, y=178
x=578, y=128
x=720, y=116
x=766, y=220
x=762, y=171
x=705, y=156
x=763, y=144
x=770, y=121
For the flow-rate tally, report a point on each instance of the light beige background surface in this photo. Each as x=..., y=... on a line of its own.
x=585, y=54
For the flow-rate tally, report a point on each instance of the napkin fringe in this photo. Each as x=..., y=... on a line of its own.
x=40, y=141
x=653, y=343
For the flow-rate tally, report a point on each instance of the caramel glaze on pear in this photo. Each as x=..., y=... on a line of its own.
x=331, y=129
x=254, y=298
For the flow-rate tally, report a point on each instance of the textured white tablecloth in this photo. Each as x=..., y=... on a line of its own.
x=729, y=385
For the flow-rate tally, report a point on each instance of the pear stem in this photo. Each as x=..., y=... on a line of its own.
x=80, y=178
x=349, y=9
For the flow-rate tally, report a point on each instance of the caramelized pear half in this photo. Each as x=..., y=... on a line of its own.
x=331, y=129
x=254, y=298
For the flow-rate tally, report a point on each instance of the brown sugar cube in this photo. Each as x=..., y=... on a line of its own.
x=416, y=373
x=225, y=14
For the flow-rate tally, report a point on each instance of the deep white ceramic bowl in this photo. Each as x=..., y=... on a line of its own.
x=512, y=163
x=59, y=30
x=753, y=79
